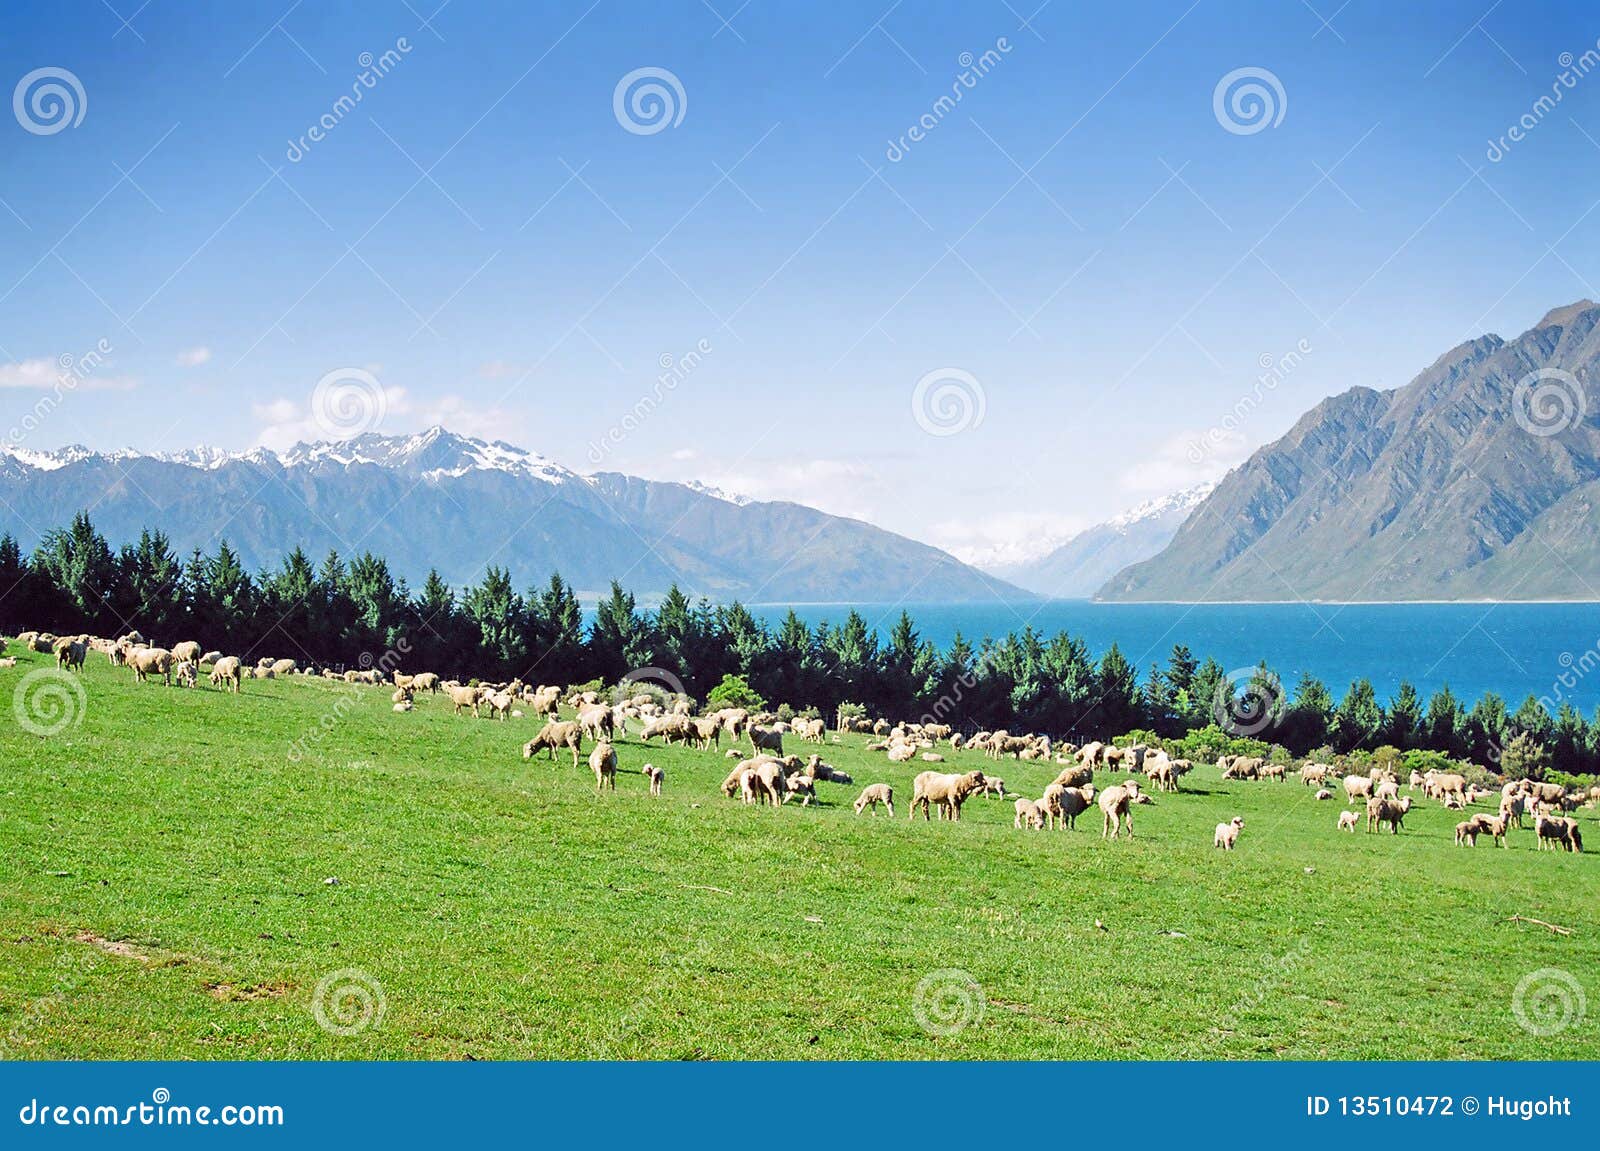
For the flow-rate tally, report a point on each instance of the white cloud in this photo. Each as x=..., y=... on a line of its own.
x=840, y=487
x=453, y=413
x=685, y=454
x=1186, y=459
x=43, y=374
x=287, y=422
x=193, y=357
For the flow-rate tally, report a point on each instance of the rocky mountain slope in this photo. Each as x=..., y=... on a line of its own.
x=441, y=500
x=1478, y=479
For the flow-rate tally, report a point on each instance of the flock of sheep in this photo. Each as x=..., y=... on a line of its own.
x=768, y=776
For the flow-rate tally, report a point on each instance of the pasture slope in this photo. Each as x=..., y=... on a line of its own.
x=162, y=895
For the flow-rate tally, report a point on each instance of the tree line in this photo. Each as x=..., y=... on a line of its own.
x=346, y=611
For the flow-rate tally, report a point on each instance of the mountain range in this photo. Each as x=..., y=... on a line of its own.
x=1081, y=566
x=1479, y=479
x=440, y=500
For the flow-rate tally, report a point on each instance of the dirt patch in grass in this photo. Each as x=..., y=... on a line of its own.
x=247, y=992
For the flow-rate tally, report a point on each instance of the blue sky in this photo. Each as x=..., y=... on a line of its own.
x=1081, y=242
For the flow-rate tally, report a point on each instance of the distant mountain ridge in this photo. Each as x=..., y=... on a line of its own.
x=1479, y=479
x=1080, y=567
x=455, y=503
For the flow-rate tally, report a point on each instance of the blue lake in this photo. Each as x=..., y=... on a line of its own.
x=1515, y=650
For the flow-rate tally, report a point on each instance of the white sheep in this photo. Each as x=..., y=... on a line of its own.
x=1228, y=833
x=1348, y=821
x=874, y=794
x=655, y=775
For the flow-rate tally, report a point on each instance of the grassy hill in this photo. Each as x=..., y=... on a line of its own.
x=163, y=894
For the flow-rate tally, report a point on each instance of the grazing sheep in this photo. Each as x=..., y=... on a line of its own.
x=1117, y=803
x=1228, y=833
x=1073, y=802
x=1029, y=812
x=1387, y=811
x=1272, y=771
x=148, y=661
x=1357, y=787
x=464, y=698
x=1316, y=773
x=874, y=794
x=553, y=735
x=992, y=785
x=1467, y=833
x=766, y=739
x=708, y=732
x=499, y=703
x=228, y=672
x=597, y=722
x=70, y=654
x=187, y=650
x=1557, y=832
x=947, y=792
x=186, y=675
x=671, y=729
x=1162, y=776
x=655, y=775
x=603, y=762
x=1075, y=776
x=1348, y=821
x=1491, y=825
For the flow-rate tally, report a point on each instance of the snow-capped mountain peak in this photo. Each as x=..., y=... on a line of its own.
x=1182, y=501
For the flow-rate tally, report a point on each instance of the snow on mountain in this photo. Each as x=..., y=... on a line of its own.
x=1186, y=500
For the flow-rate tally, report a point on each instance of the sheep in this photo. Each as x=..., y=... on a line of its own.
x=763, y=781
x=957, y=741
x=1029, y=812
x=1116, y=803
x=671, y=729
x=1386, y=789
x=187, y=650
x=1162, y=775
x=1316, y=773
x=186, y=675
x=464, y=698
x=1228, y=833
x=1073, y=802
x=228, y=673
x=1467, y=833
x=810, y=730
x=603, y=762
x=597, y=722
x=1557, y=832
x=499, y=703
x=1273, y=771
x=70, y=654
x=825, y=772
x=283, y=667
x=1492, y=825
x=947, y=792
x=1323, y=793
x=902, y=752
x=766, y=739
x=802, y=785
x=1513, y=808
x=4, y=663
x=1357, y=787
x=553, y=735
x=150, y=661
x=655, y=775
x=1075, y=776
x=1389, y=811
x=708, y=732
x=874, y=794
x=403, y=706
x=1348, y=820
x=931, y=757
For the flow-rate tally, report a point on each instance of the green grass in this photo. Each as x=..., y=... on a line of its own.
x=162, y=895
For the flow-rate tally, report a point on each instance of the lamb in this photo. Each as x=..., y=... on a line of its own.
x=403, y=706
x=948, y=792
x=1228, y=833
x=465, y=698
x=1117, y=802
x=553, y=735
x=1389, y=811
x=1467, y=833
x=401, y=695
x=1162, y=775
x=228, y=672
x=763, y=781
x=603, y=762
x=499, y=703
x=1272, y=771
x=1073, y=802
x=655, y=775
x=708, y=731
x=1314, y=773
x=1513, y=808
x=1492, y=825
x=810, y=730
x=1323, y=793
x=186, y=675
x=803, y=786
x=931, y=757
x=4, y=663
x=1386, y=789
x=1029, y=812
x=597, y=722
x=874, y=794
x=1348, y=821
